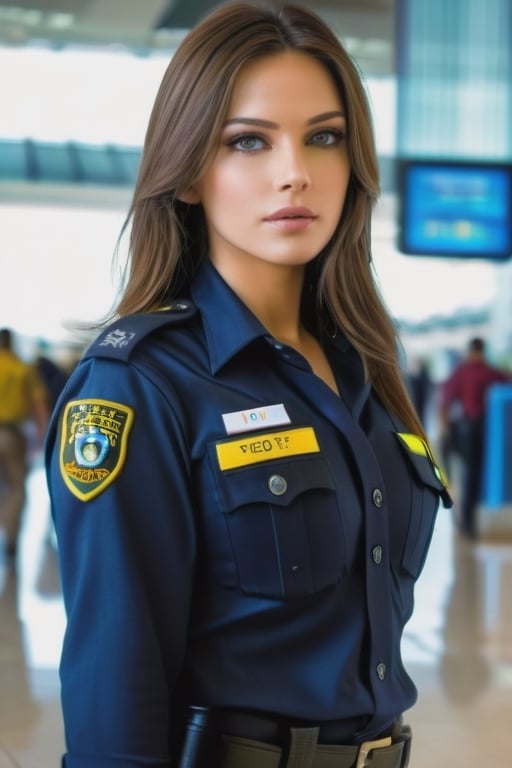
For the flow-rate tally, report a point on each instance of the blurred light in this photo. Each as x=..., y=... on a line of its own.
x=10, y=14
x=104, y=95
x=91, y=95
x=61, y=20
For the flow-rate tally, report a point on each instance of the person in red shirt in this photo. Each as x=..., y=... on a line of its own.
x=466, y=391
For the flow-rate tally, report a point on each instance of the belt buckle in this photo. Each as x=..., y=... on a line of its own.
x=367, y=746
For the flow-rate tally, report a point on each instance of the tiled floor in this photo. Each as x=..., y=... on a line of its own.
x=458, y=648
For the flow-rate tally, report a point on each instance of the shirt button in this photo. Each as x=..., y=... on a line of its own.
x=377, y=554
x=277, y=485
x=273, y=343
x=381, y=670
x=377, y=497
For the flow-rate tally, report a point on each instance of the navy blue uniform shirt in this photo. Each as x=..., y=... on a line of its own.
x=230, y=532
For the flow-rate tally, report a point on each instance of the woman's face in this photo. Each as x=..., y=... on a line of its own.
x=275, y=190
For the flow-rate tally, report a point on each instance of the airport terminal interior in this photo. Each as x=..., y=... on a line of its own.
x=65, y=189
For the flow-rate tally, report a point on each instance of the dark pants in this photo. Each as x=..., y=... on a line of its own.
x=13, y=471
x=471, y=442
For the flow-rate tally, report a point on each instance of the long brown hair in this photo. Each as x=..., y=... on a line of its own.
x=168, y=238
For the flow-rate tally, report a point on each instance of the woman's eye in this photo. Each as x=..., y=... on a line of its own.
x=327, y=138
x=247, y=143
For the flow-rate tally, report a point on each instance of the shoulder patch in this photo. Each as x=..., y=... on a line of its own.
x=122, y=336
x=93, y=445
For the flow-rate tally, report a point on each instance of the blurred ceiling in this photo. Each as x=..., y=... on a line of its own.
x=366, y=26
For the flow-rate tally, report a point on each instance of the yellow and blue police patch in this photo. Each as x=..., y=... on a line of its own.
x=93, y=445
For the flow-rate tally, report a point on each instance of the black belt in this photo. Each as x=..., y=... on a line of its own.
x=263, y=742
x=275, y=730
x=237, y=739
x=305, y=752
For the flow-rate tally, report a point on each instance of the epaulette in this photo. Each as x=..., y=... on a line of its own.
x=120, y=338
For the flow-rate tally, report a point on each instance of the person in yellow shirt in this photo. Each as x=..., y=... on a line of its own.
x=23, y=399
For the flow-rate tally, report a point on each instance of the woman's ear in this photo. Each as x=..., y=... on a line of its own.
x=190, y=196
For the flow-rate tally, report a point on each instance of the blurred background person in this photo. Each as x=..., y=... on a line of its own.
x=464, y=394
x=420, y=387
x=23, y=405
x=53, y=375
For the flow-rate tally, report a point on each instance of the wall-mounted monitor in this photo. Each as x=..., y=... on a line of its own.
x=455, y=209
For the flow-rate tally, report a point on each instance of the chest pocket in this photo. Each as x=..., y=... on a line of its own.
x=284, y=526
x=428, y=489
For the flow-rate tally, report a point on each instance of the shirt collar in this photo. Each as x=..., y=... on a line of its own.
x=230, y=326
x=228, y=323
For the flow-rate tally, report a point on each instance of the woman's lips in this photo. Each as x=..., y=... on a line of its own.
x=291, y=218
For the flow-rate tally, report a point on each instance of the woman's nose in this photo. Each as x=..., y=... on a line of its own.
x=292, y=171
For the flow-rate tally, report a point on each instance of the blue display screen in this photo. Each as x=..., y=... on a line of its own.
x=455, y=209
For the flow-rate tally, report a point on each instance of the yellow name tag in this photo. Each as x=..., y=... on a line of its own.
x=263, y=447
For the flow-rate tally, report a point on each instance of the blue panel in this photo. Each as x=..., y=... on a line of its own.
x=53, y=162
x=69, y=163
x=13, y=160
x=497, y=479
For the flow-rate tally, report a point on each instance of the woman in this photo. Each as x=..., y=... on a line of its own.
x=243, y=494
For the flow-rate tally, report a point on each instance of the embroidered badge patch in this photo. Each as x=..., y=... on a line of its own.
x=93, y=446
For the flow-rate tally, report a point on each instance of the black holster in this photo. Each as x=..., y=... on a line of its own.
x=198, y=740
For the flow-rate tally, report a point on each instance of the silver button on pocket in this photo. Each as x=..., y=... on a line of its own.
x=277, y=485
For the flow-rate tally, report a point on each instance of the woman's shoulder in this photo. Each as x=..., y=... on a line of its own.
x=122, y=337
x=98, y=382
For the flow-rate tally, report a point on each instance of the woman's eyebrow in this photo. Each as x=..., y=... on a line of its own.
x=252, y=121
x=256, y=121
x=326, y=116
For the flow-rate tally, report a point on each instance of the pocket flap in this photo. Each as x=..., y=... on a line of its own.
x=423, y=464
x=276, y=482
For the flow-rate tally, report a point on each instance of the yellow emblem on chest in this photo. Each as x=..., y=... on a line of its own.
x=254, y=449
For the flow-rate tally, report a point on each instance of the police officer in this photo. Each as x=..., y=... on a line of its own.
x=23, y=400
x=242, y=491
